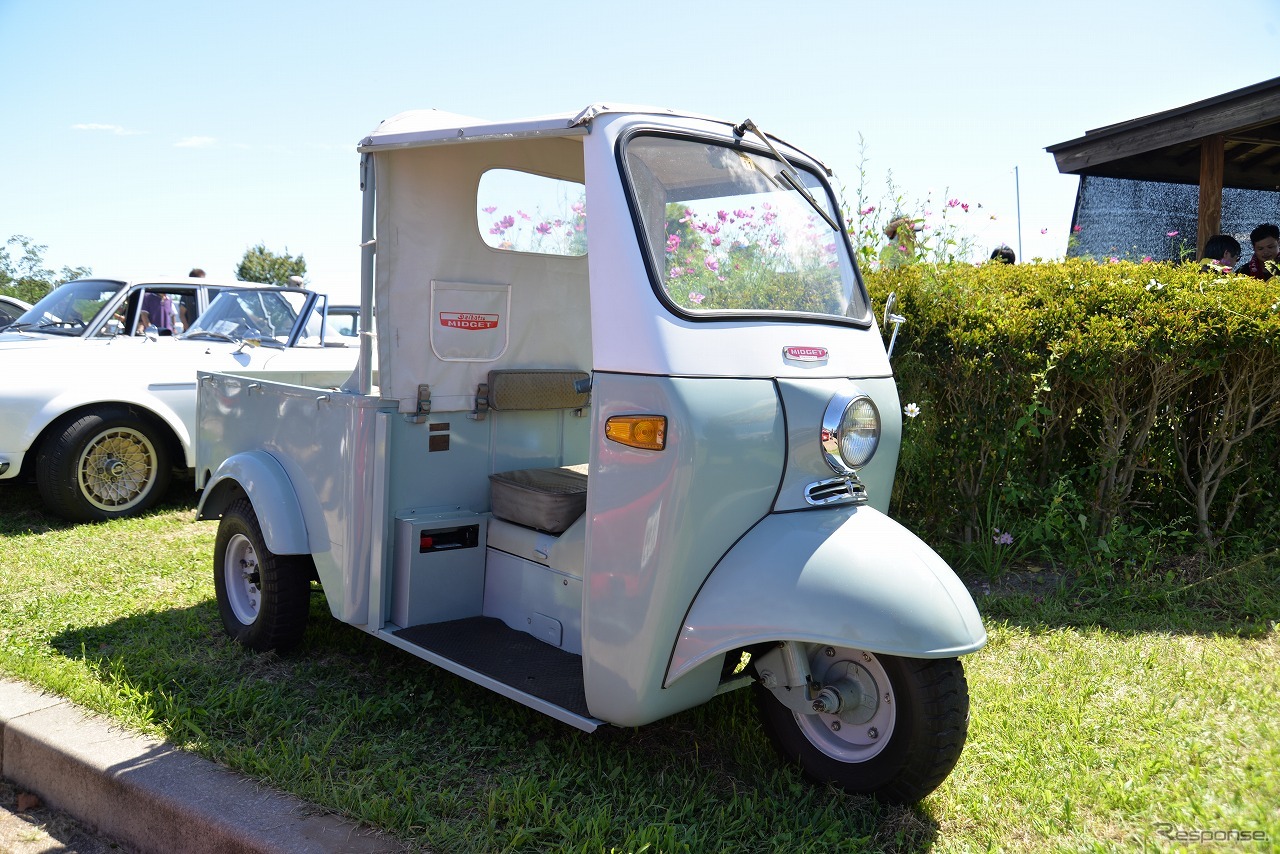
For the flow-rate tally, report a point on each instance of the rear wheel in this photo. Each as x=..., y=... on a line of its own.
x=263, y=597
x=896, y=729
x=105, y=464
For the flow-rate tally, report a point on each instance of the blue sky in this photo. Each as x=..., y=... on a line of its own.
x=145, y=137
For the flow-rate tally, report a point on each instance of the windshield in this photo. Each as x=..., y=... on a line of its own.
x=250, y=313
x=68, y=309
x=726, y=234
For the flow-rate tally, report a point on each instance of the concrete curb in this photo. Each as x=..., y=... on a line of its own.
x=148, y=794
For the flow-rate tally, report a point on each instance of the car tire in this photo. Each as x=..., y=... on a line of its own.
x=920, y=726
x=263, y=597
x=104, y=464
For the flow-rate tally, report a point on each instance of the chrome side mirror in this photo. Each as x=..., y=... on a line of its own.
x=890, y=318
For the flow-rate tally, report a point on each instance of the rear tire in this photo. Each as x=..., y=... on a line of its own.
x=106, y=464
x=900, y=753
x=263, y=597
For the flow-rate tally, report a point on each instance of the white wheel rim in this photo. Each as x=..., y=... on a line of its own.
x=840, y=738
x=117, y=469
x=240, y=573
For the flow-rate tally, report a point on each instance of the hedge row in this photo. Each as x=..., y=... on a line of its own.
x=1076, y=406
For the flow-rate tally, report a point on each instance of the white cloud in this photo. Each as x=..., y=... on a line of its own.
x=115, y=129
x=195, y=142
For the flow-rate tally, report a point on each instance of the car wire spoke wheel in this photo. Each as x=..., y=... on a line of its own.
x=243, y=579
x=117, y=469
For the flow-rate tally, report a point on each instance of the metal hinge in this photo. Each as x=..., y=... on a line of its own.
x=424, y=405
x=482, y=403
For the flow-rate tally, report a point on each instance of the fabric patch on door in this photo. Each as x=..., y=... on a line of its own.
x=469, y=322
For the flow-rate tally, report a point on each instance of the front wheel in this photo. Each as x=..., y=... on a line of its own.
x=102, y=465
x=263, y=597
x=898, y=731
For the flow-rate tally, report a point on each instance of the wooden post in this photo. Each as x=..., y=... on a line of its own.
x=1210, y=219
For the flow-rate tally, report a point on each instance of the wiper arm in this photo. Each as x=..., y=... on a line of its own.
x=787, y=173
x=201, y=333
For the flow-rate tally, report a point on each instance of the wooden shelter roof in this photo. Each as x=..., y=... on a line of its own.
x=1167, y=146
x=1231, y=140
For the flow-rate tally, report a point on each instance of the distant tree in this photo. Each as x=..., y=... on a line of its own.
x=260, y=264
x=25, y=276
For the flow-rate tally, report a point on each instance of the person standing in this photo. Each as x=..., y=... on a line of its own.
x=901, y=248
x=1266, y=246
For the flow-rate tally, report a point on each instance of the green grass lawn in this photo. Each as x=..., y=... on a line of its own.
x=1101, y=718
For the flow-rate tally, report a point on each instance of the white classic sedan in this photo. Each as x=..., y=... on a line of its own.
x=102, y=424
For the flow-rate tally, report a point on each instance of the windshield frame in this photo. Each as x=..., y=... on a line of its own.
x=297, y=326
x=859, y=300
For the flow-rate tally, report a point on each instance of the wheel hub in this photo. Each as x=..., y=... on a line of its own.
x=850, y=693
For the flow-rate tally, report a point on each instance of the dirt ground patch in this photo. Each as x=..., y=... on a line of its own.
x=39, y=829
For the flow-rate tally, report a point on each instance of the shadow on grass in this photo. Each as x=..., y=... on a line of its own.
x=22, y=510
x=361, y=728
x=1241, y=600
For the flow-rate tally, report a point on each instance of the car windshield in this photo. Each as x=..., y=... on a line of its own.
x=250, y=313
x=69, y=309
x=726, y=234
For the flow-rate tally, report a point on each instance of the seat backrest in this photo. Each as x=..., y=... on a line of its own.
x=515, y=390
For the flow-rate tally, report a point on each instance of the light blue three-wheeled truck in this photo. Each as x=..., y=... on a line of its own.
x=622, y=438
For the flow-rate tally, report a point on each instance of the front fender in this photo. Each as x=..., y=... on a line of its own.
x=260, y=477
x=846, y=576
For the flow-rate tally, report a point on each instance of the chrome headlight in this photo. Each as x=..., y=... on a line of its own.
x=850, y=432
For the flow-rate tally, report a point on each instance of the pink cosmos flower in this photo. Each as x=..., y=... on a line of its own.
x=953, y=203
x=490, y=209
x=1076, y=229
x=965, y=207
x=712, y=264
x=1044, y=231
x=673, y=243
x=696, y=298
x=675, y=272
x=1171, y=233
x=866, y=211
x=543, y=228
x=715, y=241
x=722, y=215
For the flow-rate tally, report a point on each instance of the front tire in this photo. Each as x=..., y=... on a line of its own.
x=263, y=597
x=106, y=464
x=897, y=748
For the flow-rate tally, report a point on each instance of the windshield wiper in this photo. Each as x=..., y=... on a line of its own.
x=787, y=173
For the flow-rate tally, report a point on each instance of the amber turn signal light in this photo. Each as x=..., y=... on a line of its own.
x=638, y=431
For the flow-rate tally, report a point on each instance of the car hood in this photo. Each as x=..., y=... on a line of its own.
x=134, y=360
x=22, y=340
x=163, y=360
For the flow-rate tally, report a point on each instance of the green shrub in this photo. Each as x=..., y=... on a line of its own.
x=1096, y=411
